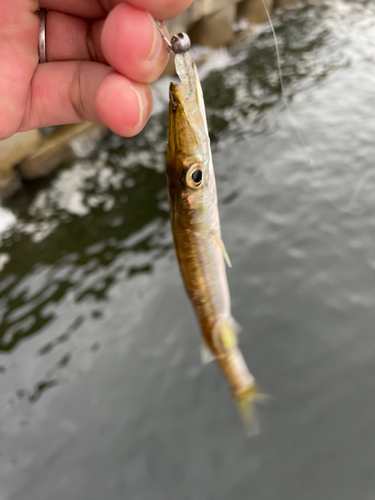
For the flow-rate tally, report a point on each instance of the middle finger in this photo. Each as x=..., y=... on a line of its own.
x=127, y=40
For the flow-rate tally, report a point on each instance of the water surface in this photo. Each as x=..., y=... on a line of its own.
x=102, y=394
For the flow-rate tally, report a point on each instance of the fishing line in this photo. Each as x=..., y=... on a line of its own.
x=298, y=134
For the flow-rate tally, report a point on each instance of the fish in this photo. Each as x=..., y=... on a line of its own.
x=197, y=237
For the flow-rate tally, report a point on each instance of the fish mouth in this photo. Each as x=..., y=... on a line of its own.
x=175, y=97
x=182, y=134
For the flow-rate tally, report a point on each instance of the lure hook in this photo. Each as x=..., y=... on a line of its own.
x=179, y=43
x=158, y=25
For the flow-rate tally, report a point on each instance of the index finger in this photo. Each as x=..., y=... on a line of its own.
x=94, y=9
x=161, y=9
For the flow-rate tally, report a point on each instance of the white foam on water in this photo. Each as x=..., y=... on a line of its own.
x=4, y=259
x=7, y=219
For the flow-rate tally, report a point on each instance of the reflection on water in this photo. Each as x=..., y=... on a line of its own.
x=101, y=391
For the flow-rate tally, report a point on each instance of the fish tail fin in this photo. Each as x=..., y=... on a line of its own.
x=245, y=403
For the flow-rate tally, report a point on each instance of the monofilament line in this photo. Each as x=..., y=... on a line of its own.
x=296, y=131
x=283, y=94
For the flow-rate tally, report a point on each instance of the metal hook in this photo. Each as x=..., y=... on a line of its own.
x=170, y=48
x=179, y=44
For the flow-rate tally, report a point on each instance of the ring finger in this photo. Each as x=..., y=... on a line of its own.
x=127, y=40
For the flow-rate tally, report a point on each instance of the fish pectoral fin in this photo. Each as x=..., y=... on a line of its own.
x=220, y=242
x=206, y=354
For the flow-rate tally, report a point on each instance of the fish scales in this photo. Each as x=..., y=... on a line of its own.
x=196, y=231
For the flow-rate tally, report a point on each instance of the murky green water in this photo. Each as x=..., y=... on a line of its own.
x=102, y=394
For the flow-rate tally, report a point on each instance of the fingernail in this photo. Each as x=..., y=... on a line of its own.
x=142, y=101
x=157, y=44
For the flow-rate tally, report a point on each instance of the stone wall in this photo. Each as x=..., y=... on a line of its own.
x=29, y=155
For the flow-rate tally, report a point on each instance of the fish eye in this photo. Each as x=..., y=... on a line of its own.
x=194, y=176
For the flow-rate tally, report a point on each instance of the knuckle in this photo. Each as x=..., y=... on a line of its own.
x=76, y=92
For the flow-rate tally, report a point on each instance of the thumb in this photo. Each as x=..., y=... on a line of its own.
x=72, y=91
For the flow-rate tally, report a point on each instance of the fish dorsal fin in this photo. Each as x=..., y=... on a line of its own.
x=235, y=325
x=220, y=242
x=200, y=100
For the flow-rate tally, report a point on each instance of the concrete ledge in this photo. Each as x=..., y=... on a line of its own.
x=30, y=155
x=254, y=11
x=215, y=29
x=56, y=148
x=284, y=3
x=12, y=151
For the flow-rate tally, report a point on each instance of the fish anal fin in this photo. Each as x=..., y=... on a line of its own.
x=220, y=242
x=206, y=354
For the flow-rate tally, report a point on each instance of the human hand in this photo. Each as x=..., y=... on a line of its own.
x=102, y=55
